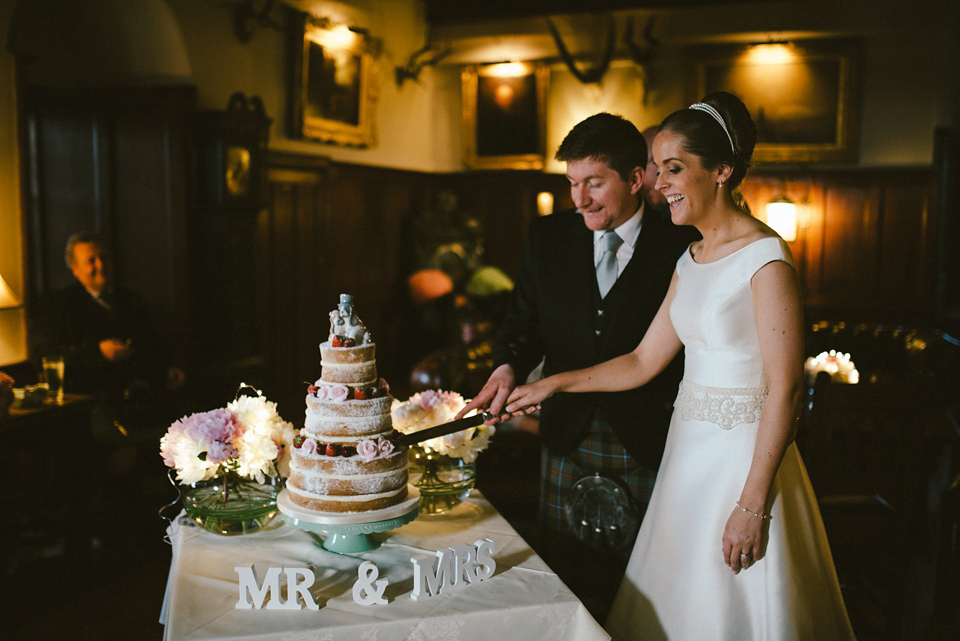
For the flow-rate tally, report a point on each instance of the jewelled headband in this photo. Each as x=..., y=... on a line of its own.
x=704, y=107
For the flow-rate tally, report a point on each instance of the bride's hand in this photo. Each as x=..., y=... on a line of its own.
x=742, y=540
x=529, y=395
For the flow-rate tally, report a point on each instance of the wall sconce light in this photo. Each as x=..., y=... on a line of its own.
x=7, y=298
x=782, y=217
x=544, y=203
x=12, y=345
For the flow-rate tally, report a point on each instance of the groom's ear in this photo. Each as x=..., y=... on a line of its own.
x=635, y=179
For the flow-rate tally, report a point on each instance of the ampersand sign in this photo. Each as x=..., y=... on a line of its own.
x=364, y=592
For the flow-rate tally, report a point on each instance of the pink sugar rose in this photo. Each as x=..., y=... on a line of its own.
x=322, y=393
x=385, y=446
x=309, y=446
x=339, y=393
x=367, y=449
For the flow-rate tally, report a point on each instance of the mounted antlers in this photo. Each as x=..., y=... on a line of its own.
x=243, y=13
x=411, y=70
x=641, y=55
x=594, y=74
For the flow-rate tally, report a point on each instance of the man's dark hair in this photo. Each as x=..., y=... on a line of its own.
x=606, y=138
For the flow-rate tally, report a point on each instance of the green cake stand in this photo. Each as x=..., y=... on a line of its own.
x=350, y=533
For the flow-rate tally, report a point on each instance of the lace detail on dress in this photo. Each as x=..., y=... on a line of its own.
x=725, y=406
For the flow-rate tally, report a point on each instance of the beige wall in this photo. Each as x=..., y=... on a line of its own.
x=417, y=124
x=910, y=74
x=12, y=332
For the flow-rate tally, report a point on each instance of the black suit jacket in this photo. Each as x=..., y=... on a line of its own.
x=70, y=323
x=555, y=315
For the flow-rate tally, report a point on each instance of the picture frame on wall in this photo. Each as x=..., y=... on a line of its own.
x=803, y=95
x=334, y=83
x=504, y=115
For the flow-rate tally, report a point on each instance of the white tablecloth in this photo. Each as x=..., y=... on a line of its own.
x=523, y=600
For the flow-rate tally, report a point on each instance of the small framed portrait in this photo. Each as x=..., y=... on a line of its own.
x=333, y=86
x=802, y=95
x=504, y=115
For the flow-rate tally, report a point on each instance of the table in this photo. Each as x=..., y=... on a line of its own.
x=73, y=413
x=56, y=500
x=524, y=599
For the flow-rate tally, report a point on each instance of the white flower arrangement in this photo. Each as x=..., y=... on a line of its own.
x=436, y=407
x=837, y=364
x=246, y=438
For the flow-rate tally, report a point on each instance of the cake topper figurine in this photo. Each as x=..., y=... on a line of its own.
x=344, y=322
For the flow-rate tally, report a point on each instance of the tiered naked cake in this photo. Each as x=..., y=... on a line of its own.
x=347, y=458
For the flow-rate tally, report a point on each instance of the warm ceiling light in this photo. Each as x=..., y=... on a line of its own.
x=771, y=54
x=340, y=36
x=507, y=70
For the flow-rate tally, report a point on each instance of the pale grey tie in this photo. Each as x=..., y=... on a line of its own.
x=607, y=268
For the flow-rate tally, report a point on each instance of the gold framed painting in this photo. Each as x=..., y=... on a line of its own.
x=504, y=115
x=334, y=85
x=802, y=95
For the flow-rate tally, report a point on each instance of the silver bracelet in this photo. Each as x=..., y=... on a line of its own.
x=762, y=517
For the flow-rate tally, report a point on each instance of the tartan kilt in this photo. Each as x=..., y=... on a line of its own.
x=599, y=453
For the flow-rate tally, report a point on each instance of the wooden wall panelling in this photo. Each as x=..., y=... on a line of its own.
x=292, y=277
x=69, y=182
x=505, y=202
x=149, y=157
x=110, y=161
x=906, y=276
x=849, y=254
x=867, y=250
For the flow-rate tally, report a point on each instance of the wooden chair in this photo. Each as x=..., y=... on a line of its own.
x=862, y=448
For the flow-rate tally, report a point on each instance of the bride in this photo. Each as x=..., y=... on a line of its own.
x=732, y=545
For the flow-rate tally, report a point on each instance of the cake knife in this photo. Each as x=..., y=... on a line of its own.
x=448, y=428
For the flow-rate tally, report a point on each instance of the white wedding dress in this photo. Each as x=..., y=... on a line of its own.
x=676, y=584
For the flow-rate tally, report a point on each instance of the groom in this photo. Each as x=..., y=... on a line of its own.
x=584, y=296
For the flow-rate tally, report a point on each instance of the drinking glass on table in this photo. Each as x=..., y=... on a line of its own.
x=53, y=377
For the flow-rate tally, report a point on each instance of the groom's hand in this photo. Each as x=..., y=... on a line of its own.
x=494, y=394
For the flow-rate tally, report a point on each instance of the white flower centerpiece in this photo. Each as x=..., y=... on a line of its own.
x=442, y=468
x=837, y=364
x=233, y=460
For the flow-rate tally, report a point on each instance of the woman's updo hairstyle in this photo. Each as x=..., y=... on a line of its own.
x=705, y=137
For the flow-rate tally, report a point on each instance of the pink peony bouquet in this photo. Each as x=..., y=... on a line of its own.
x=436, y=407
x=247, y=438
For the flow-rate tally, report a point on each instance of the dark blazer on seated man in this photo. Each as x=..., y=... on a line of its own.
x=110, y=347
x=71, y=323
x=557, y=315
